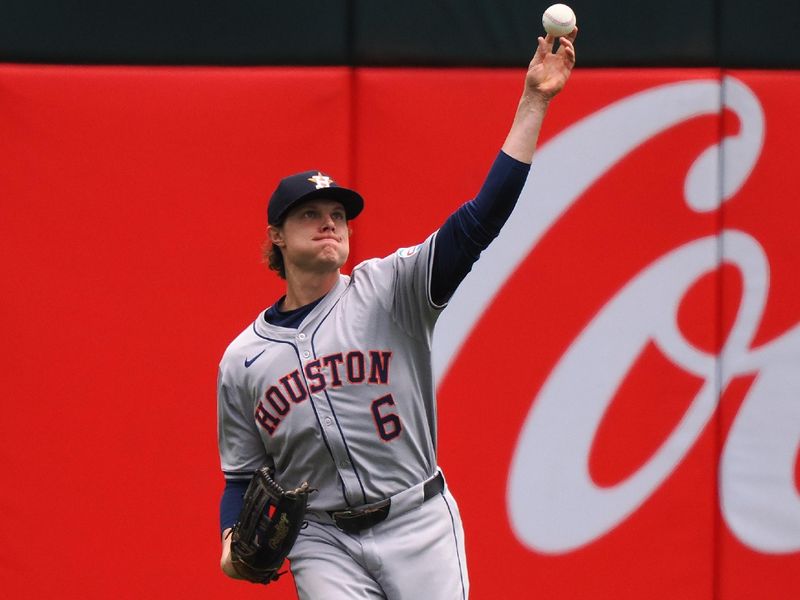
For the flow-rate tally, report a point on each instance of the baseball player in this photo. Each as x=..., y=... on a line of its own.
x=332, y=384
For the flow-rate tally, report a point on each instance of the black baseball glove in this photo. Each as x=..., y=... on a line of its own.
x=268, y=526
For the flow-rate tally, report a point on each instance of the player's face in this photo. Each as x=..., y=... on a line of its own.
x=314, y=236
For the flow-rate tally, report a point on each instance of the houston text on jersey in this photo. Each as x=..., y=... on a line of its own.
x=333, y=371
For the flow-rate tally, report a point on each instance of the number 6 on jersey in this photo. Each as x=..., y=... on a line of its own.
x=389, y=426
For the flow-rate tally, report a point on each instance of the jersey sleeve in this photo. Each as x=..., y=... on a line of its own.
x=241, y=450
x=402, y=284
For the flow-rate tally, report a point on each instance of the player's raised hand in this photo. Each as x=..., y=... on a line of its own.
x=548, y=71
x=547, y=74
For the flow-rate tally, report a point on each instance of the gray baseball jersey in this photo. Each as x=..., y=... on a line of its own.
x=346, y=400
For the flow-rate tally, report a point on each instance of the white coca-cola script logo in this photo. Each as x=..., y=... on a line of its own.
x=553, y=503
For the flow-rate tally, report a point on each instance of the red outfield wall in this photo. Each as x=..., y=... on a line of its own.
x=619, y=376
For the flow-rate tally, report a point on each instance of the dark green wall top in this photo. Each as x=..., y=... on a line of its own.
x=379, y=32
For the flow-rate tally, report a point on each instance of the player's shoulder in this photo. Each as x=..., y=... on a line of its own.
x=241, y=345
x=407, y=252
x=364, y=267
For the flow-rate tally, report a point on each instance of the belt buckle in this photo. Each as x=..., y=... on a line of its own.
x=353, y=521
x=345, y=514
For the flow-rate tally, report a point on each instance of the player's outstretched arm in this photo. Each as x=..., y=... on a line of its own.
x=547, y=75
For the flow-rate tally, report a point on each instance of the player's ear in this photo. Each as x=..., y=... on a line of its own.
x=275, y=235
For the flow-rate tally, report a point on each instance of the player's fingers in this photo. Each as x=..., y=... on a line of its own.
x=567, y=48
x=541, y=46
x=572, y=34
x=541, y=52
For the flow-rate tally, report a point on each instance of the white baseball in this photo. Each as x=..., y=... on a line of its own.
x=558, y=20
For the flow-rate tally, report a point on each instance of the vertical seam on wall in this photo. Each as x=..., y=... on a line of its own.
x=352, y=147
x=718, y=325
x=352, y=141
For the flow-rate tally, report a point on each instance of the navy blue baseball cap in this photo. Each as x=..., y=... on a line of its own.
x=306, y=186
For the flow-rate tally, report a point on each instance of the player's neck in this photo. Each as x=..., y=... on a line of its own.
x=304, y=287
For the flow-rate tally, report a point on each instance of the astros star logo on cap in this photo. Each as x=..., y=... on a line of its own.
x=322, y=181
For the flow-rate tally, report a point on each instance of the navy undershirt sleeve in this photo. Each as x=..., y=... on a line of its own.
x=471, y=228
x=231, y=503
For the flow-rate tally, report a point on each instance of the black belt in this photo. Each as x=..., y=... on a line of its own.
x=353, y=521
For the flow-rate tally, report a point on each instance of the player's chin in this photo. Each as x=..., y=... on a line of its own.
x=333, y=257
